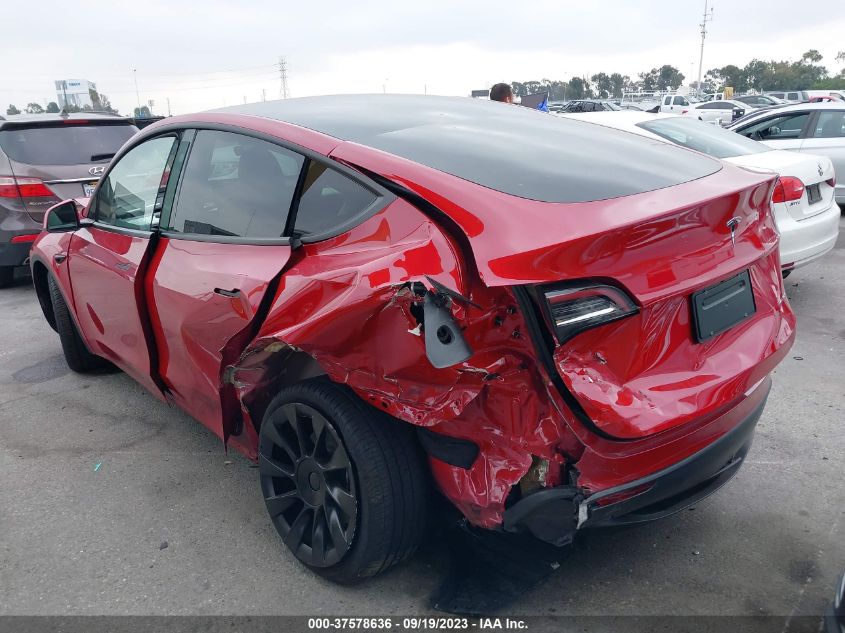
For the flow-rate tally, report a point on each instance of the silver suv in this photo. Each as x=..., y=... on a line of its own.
x=46, y=158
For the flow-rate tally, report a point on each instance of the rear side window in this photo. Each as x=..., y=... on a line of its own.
x=64, y=144
x=787, y=126
x=830, y=125
x=236, y=186
x=135, y=187
x=330, y=200
x=713, y=105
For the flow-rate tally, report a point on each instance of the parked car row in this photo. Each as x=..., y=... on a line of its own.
x=558, y=324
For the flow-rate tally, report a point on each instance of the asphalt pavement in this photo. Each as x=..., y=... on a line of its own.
x=113, y=503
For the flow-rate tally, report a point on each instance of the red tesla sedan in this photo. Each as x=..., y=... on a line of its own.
x=558, y=324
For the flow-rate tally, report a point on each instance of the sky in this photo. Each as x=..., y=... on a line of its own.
x=216, y=53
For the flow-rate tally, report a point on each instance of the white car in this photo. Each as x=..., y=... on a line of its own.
x=816, y=128
x=721, y=112
x=803, y=203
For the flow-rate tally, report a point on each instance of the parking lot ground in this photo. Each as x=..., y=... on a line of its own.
x=113, y=503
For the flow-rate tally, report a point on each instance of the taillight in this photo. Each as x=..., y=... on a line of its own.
x=787, y=189
x=575, y=307
x=11, y=187
x=30, y=237
x=831, y=181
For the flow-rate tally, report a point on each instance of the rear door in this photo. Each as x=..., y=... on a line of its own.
x=61, y=159
x=107, y=259
x=826, y=136
x=220, y=254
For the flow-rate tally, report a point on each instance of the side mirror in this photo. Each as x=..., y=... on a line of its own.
x=62, y=217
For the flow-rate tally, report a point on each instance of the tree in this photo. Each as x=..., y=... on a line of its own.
x=811, y=56
x=52, y=107
x=604, y=87
x=12, y=109
x=144, y=112
x=669, y=78
x=34, y=108
x=106, y=104
x=579, y=88
x=617, y=85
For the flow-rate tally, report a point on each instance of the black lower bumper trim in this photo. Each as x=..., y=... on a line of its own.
x=14, y=254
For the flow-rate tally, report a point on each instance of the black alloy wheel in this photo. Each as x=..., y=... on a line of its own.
x=308, y=484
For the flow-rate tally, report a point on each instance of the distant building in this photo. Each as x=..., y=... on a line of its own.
x=77, y=92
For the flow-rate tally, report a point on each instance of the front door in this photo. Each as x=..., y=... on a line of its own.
x=827, y=137
x=221, y=252
x=107, y=259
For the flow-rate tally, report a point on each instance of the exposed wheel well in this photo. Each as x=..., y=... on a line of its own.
x=280, y=369
x=42, y=291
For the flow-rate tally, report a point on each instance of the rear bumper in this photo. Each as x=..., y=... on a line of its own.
x=677, y=487
x=804, y=241
x=14, y=254
x=555, y=514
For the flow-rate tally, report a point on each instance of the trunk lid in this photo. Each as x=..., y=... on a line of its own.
x=646, y=373
x=813, y=171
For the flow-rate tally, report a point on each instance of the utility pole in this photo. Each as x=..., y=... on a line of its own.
x=283, y=77
x=168, y=106
x=137, y=94
x=708, y=17
x=264, y=94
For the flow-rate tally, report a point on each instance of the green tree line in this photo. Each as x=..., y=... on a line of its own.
x=101, y=104
x=757, y=75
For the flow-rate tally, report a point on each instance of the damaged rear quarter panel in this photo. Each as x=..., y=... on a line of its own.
x=347, y=303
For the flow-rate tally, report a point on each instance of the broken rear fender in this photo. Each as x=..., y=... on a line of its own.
x=350, y=308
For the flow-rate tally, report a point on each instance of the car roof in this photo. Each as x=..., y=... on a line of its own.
x=515, y=150
x=51, y=117
x=786, y=109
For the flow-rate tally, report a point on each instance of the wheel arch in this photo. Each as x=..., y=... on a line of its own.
x=40, y=275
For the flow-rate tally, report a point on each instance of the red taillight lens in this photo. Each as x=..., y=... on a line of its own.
x=787, y=189
x=17, y=239
x=832, y=181
x=11, y=187
x=575, y=307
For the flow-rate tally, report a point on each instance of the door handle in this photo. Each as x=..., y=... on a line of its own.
x=228, y=293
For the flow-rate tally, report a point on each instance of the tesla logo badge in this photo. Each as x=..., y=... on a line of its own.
x=96, y=171
x=821, y=171
x=732, y=224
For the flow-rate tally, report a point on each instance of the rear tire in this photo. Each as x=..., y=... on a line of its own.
x=7, y=274
x=346, y=485
x=77, y=356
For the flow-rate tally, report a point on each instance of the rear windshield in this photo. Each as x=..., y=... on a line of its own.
x=64, y=144
x=703, y=137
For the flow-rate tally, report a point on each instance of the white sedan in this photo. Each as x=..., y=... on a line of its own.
x=721, y=112
x=815, y=128
x=803, y=200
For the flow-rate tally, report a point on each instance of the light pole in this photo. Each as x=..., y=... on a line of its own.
x=704, y=21
x=137, y=94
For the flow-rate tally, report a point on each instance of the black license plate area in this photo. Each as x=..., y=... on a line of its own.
x=814, y=194
x=720, y=307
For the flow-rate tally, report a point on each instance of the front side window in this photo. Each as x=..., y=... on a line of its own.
x=135, y=187
x=830, y=125
x=681, y=101
x=236, y=186
x=330, y=200
x=787, y=126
